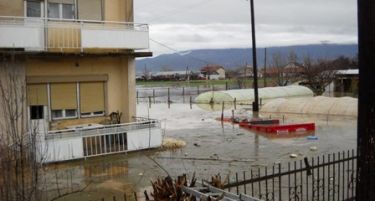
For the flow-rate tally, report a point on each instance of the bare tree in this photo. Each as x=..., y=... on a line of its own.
x=279, y=63
x=318, y=74
x=19, y=169
x=22, y=176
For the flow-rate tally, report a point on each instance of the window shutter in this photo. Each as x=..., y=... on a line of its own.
x=92, y=97
x=63, y=96
x=37, y=94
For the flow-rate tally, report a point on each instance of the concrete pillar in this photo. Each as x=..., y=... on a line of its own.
x=128, y=98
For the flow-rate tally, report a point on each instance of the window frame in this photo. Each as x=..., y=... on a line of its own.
x=60, y=11
x=26, y=13
x=63, y=113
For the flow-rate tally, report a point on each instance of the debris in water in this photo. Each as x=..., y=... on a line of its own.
x=197, y=145
x=312, y=137
x=169, y=189
x=171, y=143
x=313, y=148
x=140, y=174
x=293, y=155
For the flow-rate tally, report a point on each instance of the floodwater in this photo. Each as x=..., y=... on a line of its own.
x=212, y=147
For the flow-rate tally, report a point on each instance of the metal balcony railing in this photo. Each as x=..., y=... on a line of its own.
x=65, y=35
x=104, y=130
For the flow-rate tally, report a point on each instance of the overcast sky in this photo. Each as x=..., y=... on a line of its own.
x=198, y=24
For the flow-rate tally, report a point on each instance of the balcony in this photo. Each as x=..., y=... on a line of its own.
x=59, y=35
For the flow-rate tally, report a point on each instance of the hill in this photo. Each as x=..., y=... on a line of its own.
x=233, y=58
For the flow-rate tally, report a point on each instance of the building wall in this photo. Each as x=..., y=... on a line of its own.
x=120, y=88
x=221, y=73
x=118, y=10
x=11, y=8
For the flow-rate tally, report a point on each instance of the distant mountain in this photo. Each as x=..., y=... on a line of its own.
x=233, y=58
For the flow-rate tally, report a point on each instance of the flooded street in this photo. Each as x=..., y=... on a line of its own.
x=212, y=148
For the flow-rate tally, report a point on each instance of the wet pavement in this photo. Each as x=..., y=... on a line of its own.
x=212, y=147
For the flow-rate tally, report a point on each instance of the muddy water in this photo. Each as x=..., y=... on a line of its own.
x=212, y=147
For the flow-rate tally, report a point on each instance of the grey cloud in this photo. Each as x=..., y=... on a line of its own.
x=226, y=23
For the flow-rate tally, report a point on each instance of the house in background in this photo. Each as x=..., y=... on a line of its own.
x=76, y=61
x=346, y=82
x=247, y=72
x=292, y=69
x=212, y=72
x=172, y=75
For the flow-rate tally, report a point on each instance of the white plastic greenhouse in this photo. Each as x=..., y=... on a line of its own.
x=321, y=105
x=247, y=95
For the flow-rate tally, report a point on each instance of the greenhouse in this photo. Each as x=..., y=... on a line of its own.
x=247, y=95
x=321, y=105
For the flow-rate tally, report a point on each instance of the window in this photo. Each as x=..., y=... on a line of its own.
x=61, y=11
x=56, y=114
x=36, y=112
x=53, y=10
x=64, y=114
x=68, y=11
x=71, y=113
x=33, y=9
x=92, y=99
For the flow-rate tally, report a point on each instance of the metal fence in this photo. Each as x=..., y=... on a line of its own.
x=329, y=177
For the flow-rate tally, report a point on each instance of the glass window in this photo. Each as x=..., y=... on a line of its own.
x=36, y=112
x=57, y=114
x=68, y=11
x=71, y=113
x=53, y=10
x=33, y=9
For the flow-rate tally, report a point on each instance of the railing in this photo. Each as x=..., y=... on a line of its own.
x=45, y=34
x=331, y=177
x=104, y=130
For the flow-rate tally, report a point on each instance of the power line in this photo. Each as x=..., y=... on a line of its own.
x=178, y=52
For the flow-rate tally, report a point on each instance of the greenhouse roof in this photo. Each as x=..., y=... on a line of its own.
x=344, y=106
x=247, y=95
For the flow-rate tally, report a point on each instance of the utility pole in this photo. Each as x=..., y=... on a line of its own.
x=255, y=67
x=265, y=68
x=366, y=102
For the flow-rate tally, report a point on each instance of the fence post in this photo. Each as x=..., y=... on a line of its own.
x=153, y=94
x=226, y=85
x=191, y=102
x=149, y=101
x=169, y=94
x=198, y=90
x=137, y=97
x=222, y=112
x=183, y=91
x=235, y=103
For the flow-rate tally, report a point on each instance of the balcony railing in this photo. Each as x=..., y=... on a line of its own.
x=62, y=35
x=104, y=130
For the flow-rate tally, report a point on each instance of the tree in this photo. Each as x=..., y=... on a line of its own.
x=22, y=177
x=292, y=57
x=19, y=169
x=279, y=63
x=318, y=74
